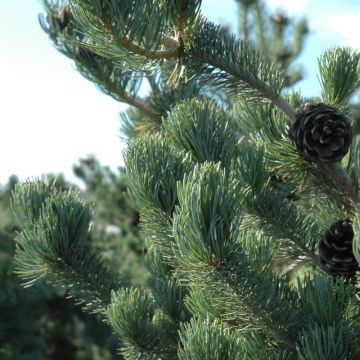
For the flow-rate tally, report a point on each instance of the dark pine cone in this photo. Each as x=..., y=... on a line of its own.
x=321, y=133
x=335, y=250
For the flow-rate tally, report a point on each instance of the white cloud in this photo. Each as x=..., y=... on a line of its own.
x=344, y=25
x=331, y=21
x=52, y=119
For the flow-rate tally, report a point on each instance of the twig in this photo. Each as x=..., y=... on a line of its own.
x=121, y=95
x=139, y=104
x=154, y=55
x=345, y=181
x=247, y=78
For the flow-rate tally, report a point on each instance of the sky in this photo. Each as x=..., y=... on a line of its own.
x=50, y=116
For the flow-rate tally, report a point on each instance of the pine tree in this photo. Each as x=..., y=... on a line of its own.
x=249, y=210
x=40, y=322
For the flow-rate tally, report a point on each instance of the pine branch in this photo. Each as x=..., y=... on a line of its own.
x=111, y=79
x=53, y=245
x=243, y=297
x=202, y=129
x=131, y=315
x=260, y=123
x=149, y=156
x=206, y=229
x=182, y=13
x=157, y=229
x=339, y=74
x=135, y=123
x=133, y=101
x=171, y=53
x=261, y=316
x=138, y=30
x=107, y=74
x=205, y=339
x=242, y=67
x=28, y=198
x=279, y=217
x=322, y=343
x=253, y=74
x=310, y=180
x=315, y=292
x=209, y=339
x=169, y=295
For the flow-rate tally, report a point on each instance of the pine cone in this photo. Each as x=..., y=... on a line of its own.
x=335, y=250
x=321, y=133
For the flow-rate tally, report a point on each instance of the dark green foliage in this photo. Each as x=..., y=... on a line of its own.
x=314, y=293
x=207, y=222
x=130, y=313
x=147, y=190
x=40, y=322
x=54, y=244
x=339, y=74
x=28, y=204
x=202, y=129
x=162, y=99
x=46, y=323
x=169, y=295
x=208, y=340
x=320, y=343
x=249, y=119
x=182, y=12
x=229, y=64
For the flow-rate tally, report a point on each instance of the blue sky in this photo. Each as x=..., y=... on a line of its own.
x=51, y=116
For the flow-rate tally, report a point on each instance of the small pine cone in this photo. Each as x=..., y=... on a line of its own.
x=280, y=19
x=321, y=133
x=63, y=17
x=335, y=250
